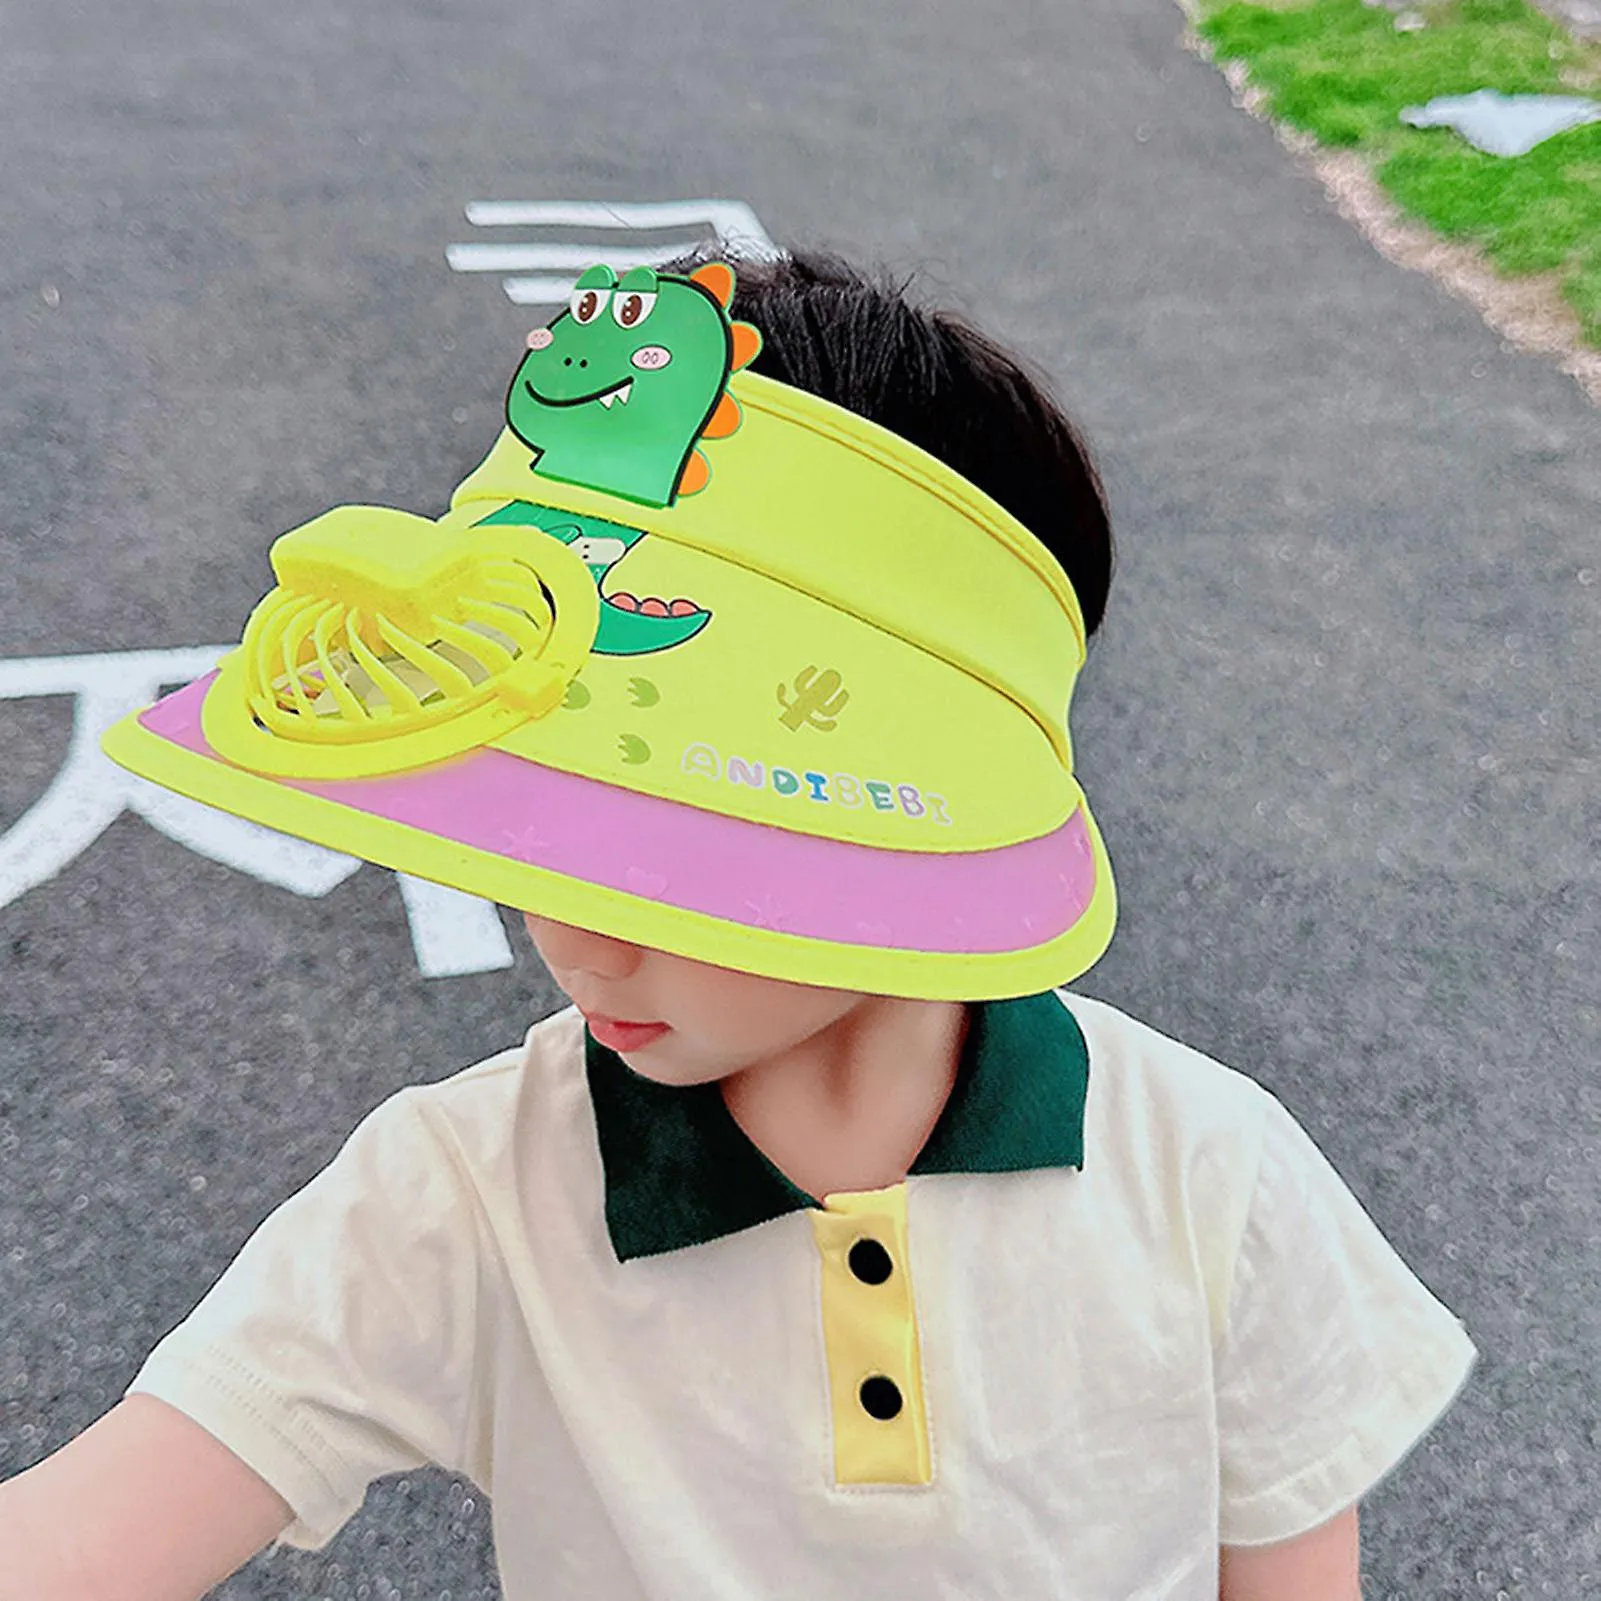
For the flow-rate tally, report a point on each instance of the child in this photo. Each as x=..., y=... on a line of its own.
x=822, y=1248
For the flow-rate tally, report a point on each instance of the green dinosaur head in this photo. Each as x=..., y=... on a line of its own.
x=615, y=391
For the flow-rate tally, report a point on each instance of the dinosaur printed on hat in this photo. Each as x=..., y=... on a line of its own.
x=629, y=625
x=614, y=394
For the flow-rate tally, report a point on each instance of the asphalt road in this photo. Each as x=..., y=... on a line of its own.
x=1340, y=728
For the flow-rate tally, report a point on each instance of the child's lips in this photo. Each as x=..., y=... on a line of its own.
x=618, y=1035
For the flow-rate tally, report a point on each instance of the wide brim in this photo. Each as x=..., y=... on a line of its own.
x=975, y=925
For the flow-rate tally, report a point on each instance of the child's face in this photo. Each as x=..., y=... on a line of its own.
x=718, y=1021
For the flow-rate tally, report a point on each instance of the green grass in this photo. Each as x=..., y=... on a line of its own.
x=1340, y=70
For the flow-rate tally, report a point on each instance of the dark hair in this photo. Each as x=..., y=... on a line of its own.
x=935, y=380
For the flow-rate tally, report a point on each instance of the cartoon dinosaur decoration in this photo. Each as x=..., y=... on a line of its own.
x=616, y=391
x=630, y=625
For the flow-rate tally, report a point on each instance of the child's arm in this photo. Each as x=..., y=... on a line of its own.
x=1324, y=1564
x=144, y=1505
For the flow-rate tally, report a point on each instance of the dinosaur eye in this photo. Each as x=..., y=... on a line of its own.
x=632, y=306
x=587, y=304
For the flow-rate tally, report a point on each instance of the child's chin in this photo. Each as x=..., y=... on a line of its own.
x=666, y=1065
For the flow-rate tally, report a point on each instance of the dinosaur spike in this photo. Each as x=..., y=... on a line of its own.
x=717, y=276
x=724, y=420
x=747, y=344
x=695, y=476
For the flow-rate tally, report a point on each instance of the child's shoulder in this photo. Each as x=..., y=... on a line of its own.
x=482, y=1109
x=1120, y=1040
x=554, y=1042
x=1159, y=1093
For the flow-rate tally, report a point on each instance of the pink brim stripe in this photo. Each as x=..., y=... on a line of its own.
x=977, y=902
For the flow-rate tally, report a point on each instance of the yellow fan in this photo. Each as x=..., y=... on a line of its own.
x=391, y=642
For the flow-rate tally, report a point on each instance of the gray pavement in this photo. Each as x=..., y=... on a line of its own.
x=1580, y=17
x=1340, y=729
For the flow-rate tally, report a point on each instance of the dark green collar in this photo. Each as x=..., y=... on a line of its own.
x=680, y=1171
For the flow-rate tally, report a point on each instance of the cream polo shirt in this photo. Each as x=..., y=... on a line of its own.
x=1120, y=1311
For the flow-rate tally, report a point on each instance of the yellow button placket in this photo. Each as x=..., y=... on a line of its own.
x=875, y=1366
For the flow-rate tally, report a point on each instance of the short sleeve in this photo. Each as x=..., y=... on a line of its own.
x=338, y=1345
x=1335, y=1360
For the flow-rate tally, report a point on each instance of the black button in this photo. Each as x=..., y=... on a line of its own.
x=880, y=1397
x=870, y=1262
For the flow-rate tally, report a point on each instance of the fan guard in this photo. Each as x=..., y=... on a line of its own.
x=389, y=643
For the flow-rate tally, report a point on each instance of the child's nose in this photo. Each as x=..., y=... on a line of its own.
x=579, y=950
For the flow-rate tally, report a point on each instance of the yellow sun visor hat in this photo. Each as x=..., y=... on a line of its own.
x=695, y=659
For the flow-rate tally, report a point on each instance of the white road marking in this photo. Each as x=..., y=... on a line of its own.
x=541, y=291
x=451, y=933
x=511, y=258
x=731, y=222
